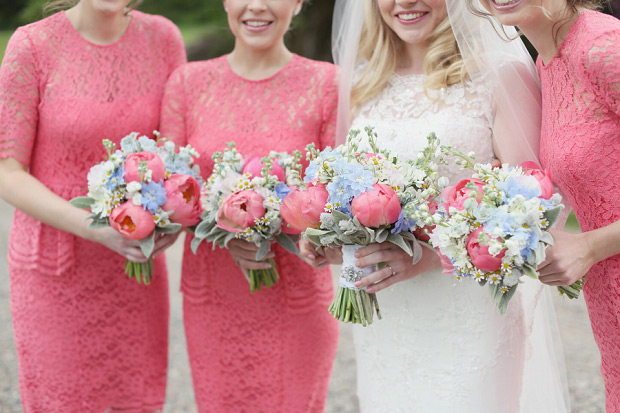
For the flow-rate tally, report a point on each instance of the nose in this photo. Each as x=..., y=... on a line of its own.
x=257, y=5
x=406, y=3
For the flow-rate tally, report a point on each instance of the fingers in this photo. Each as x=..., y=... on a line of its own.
x=375, y=255
x=163, y=242
x=243, y=249
x=375, y=277
x=133, y=254
x=386, y=282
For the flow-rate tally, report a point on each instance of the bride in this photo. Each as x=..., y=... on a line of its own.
x=442, y=345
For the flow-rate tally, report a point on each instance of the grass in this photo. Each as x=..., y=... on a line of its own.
x=4, y=38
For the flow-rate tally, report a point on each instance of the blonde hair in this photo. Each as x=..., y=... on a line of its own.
x=53, y=6
x=383, y=50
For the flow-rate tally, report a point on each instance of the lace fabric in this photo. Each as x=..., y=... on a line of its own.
x=271, y=350
x=580, y=144
x=442, y=345
x=87, y=338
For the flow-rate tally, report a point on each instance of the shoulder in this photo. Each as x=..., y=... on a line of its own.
x=155, y=25
x=595, y=32
x=39, y=33
x=313, y=68
x=195, y=74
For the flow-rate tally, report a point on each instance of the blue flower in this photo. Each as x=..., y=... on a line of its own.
x=153, y=195
x=147, y=144
x=501, y=219
x=115, y=179
x=129, y=144
x=513, y=187
x=281, y=190
x=403, y=224
x=311, y=172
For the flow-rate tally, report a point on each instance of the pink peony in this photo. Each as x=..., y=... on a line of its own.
x=239, y=211
x=254, y=166
x=377, y=207
x=131, y=221
x=479, y=254
x=153, y=163
x=456, y=195
x=302, y=209
x=543, y=176
x=183, y=198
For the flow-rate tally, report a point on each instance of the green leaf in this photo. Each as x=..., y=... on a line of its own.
x=381, y=235
x=530, y=271
x=194, y=244
x=171, y=228
x=82, y=202
x=287, y=243
x=203, y=229
x=551, y=215
x=339, y=216
x=229, y=237
x=148, y=244
x=396, y=239
x=505, y=298
x=98, y=223
x=263, y=250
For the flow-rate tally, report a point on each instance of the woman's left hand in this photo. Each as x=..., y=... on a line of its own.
x=568, y=259
x=399, y=265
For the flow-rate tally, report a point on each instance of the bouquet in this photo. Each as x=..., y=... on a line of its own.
x=493, y=227
x=142, y=189
x=357, y=196
x=241, y=200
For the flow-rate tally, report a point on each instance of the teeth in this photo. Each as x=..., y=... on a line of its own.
x=256, y=23
x=410, y=16
x=505, y=2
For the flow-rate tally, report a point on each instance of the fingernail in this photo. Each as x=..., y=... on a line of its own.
x=357, y=283
x=370, y=290
x=310, y=256
x=357, y=264
x=357, y=254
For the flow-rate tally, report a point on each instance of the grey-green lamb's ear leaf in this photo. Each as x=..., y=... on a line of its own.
x=381, y=235
x=82, y=202
x=398, y=240
x=263, y=250
x=552, y=214
x=505, y=299
x=339, y=216
x=98, y=223
x=194, y=244
x=171, y=228
x=202, y=229
x=530, y=271
x=148, y=244
x=287, y=243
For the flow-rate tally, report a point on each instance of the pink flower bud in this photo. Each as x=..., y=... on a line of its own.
x=254, y=166
x=377, y=207
x=456, y=195
x=153, y=163
x=543, y=176
x=302, y=209
x=240, y=210
x=131, y=221
x=479, y=254
x=183, y=198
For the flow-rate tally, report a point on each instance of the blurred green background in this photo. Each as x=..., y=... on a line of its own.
x=202, y=22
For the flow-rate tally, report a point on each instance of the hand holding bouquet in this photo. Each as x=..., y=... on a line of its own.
x=142, y=189
x=357, y=196
x=241, y=200
x=493, y=227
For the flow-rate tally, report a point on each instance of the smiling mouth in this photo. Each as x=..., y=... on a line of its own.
x=257, y=24
x=410, y=16
x=505, y=2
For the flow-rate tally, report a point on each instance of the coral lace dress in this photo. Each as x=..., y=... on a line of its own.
x=580, y=143
x=272, y=350
x=88, y=338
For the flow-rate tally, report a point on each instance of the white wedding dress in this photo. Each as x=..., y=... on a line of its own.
x=442, y=345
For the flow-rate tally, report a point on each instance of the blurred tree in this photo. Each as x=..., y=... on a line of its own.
x=9, y=9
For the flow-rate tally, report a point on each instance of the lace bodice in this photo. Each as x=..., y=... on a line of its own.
x=580, y=139
x=404, y=113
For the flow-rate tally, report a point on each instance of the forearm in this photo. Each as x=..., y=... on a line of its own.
x=604, y=242
x=28, y=194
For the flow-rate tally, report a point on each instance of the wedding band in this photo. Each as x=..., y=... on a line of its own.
x=391, y=269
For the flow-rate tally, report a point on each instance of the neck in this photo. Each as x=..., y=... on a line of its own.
x=414, y=60
x=96, y=26
x=546, y=36
x=253, y=64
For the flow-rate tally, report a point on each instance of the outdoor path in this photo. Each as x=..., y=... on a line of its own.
x=582, y=358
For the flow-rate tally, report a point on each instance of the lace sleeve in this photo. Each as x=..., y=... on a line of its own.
x=602, y=66
x=19, y=98
x=329, y=105
x=174, y=108
x=176, y=54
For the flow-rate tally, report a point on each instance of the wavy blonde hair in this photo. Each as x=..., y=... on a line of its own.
x=57, y=5
x=383, y=50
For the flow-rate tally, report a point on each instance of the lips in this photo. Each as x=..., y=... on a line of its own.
x=409, y=17
x=257, y=24
x=504, y=4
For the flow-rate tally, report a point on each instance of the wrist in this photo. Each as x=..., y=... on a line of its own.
x=594, y=252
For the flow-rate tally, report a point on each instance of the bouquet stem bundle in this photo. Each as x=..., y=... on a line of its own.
x=352, y=305
x=140, y=271
x=263, y=278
